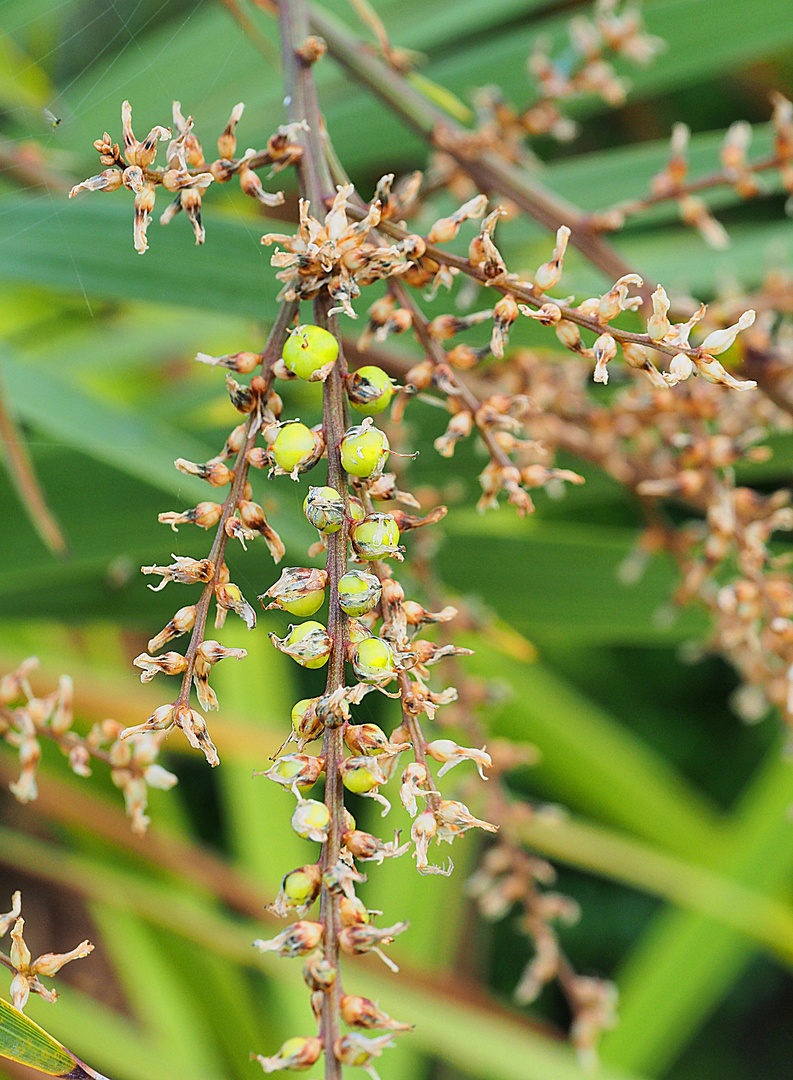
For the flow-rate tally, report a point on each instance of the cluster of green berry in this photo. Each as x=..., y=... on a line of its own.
x=310, y=353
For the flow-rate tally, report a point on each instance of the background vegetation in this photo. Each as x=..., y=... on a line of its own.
x=678, y=844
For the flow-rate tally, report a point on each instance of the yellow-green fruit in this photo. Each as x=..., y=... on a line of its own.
x=292, y=1047
x=324, y=508
x=299, y=886
x=370, y=390
x=372, y=660
x=293, y=445
x=305, y=605
x=376, y=536
x=299, y=710
x=358, y=592
x=363, y=451
x=309, y=348
x=359, y=780
x=300, y=633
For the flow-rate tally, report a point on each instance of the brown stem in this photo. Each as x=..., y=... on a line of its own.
x=316, y=185
x=529, y=294
x=630, y=207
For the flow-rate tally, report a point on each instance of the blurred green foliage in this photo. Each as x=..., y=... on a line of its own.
x=678, y=846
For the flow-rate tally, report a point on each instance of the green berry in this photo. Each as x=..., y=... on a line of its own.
x=364, y=450
x=299, y=590
x=294, y=446
x=300, y=886
x=370, y=390
x=373, y=661
x=324, y=508
x=308, y=349
x=376, y=536
x=359, y=780
x=358, y=592
x=307, y=643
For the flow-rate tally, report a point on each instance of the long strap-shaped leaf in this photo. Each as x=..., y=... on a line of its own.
x=24, y=1041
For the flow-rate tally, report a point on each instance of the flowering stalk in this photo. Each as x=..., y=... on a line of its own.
x=737, y=172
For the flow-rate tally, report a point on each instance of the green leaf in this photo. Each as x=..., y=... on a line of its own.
x=686, y=884
x=587, y=602
x=127, y=440
x=85, y=247
x=593, y=763
x=23, y=85
x=684, y=965
x=24, y=1041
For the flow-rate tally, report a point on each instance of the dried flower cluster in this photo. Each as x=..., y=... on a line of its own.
x=27, y=971
x=187, y=174
x=26, y=719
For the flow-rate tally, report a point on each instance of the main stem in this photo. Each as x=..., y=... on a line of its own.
x=316, y=185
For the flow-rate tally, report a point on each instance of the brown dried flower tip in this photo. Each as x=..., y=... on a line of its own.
x=362, y=1013
x=28, y=971
x=312, y=49
x=183, y=569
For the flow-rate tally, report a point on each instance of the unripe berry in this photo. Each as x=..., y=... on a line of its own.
x=311, y=820
x=376, y=536
x=308, y=644
x=364, y=451
x=303, y=885
x=299, y=590
x=373, y=661
x=293, y=446
x=324, y=508
x=358, y=592
x=308, y=350
x=370, y=390
x=360, y=777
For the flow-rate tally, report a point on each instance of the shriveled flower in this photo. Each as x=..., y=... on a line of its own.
x=455, y=818
x=170, y=663
x=363, y=1013
x=367, y=848
x=297, y=940
x=451, y=754
x=26, y=979
x=423, y=832
x=194, y=726
x=354, y=1049
x=415, y=784
x=7, y=920
x=363, y=938
x=230, y=598
x=183, y=569
x=295, y=1054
